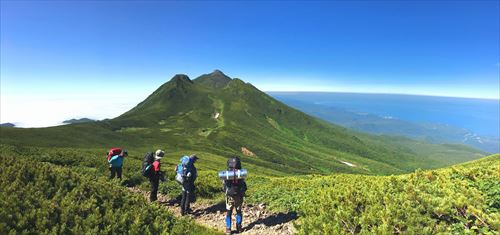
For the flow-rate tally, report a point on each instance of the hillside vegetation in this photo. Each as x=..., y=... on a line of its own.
x=42, y=198
x=463, y=199
x=221, y=116
x=451, y=200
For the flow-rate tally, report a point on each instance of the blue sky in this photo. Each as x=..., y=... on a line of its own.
x=99, y=58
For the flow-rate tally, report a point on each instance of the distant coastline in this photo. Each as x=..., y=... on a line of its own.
x=481, y=116
x=376, y=93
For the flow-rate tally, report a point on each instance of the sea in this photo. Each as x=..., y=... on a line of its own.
x=481, y=116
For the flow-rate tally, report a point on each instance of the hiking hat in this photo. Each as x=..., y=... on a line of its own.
x=159, y=154
x=194, y=157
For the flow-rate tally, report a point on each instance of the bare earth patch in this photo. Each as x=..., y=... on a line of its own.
x=247, y=152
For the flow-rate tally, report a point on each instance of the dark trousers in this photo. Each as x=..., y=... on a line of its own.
x=188, y=191
x=116, y=171
x=234, y=202
x=155, y=182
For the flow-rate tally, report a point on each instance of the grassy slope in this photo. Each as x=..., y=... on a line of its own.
x=178, y=117
x=460, y=199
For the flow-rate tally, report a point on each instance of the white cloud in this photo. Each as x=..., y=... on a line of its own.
x=51, y=110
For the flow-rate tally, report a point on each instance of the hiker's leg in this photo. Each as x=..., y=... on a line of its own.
x=229, y=211
x=229, y=214
x=238, y=204
x=154, y=189
x=183, y=201
x=119, y=172
x=111, y=173
x=186, y=202
x=239, y=218
x=190, y=196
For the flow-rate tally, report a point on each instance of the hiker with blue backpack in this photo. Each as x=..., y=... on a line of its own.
x=115, y=160
x=186, y=176
x=151, y=169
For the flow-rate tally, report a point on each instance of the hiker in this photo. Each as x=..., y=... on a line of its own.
x=234, y=189
x=115, y=160
x=186, y=175
x=155, y=174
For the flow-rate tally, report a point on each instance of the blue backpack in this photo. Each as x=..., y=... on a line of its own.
x=116, y=161
x=182, y=169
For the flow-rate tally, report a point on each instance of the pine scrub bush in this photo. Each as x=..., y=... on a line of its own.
x=41, y=198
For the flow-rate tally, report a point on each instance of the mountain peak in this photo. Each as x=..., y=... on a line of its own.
x=216, y=79
x=181, y=77
x=218, y=72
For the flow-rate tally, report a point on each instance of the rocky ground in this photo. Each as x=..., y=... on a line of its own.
x=256, y=219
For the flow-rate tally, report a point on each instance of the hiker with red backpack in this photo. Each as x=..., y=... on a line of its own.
x=186, y=174
x=151, y=169
x=115, y=160
x=234, y=188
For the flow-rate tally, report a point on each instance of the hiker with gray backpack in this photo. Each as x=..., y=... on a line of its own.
x=186, y=174
x=234, y=188
x=151, y=169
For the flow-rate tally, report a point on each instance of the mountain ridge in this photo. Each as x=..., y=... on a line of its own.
x=180, y=115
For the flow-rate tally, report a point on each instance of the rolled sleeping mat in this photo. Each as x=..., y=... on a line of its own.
x=232, y=175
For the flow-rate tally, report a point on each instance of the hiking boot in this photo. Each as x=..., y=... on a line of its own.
x=228, y=230
x=238, y=228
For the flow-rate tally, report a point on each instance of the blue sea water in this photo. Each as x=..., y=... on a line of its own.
x=481, y=116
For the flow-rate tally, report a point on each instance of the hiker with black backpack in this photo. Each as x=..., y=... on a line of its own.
x=151, y=169
x=234, y=188
x=186, y=175
x=116, y=157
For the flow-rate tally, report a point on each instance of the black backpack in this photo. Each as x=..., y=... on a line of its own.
x=233, y=186
x=147, y=165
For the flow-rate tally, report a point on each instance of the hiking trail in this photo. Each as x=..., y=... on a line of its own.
x=256, y=219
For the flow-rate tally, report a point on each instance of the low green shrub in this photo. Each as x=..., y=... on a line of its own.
x=41, y=198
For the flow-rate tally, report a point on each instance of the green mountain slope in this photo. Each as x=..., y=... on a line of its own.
x=223, y=116
x=462, y=199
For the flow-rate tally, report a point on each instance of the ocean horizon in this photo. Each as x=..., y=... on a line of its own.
x=481, y=116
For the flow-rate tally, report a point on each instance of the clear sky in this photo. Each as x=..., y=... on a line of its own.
x=97, y=59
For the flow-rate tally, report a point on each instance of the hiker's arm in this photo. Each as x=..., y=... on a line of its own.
x=112, y=159
x=243, y=187
x=162, y=176
x=195, y=174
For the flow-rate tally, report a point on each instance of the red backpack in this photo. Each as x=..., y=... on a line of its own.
x=114, y=151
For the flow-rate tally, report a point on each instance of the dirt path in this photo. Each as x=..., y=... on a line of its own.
x=256, y=219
